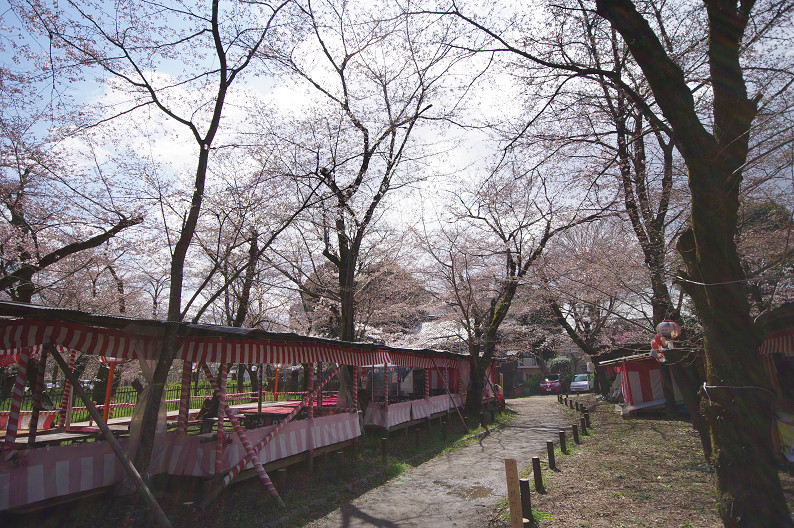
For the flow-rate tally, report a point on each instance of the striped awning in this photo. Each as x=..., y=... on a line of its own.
x=779, y=343
x=425, y=362
x=19, y=334
x=215, y=350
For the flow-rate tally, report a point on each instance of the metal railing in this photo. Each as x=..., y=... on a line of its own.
x=126, y=397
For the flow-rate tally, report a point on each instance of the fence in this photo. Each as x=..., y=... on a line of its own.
x=126, y=397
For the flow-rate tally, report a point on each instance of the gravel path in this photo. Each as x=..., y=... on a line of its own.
x=460, y=488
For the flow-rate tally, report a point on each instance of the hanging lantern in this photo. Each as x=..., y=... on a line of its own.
x=669, y=329
x=110, y=360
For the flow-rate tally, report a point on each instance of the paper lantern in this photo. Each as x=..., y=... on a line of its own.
x=669, y=329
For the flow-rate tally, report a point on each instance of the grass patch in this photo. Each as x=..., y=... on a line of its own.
x=625, y=473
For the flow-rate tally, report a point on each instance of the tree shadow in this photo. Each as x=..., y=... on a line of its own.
x=350, y=512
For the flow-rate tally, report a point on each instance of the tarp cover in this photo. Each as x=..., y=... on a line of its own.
x=642, y=384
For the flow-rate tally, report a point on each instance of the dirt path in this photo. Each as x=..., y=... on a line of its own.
x=460, y=488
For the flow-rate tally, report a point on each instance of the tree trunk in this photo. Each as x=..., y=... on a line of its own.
x=347, y=321
x=171, y=343
x=689, y=381
x=477, y=385
x=738, y=406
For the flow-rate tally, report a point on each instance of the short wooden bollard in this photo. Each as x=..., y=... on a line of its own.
x=537, y=474
x=563, y=448
x=281, y=478
x=576, y=405
x=559, y=398
x=513, y=493
x=384, y=450
x=582, y=425
x=417, y=438
x=575, y=430
x=526, y=501
x=550, y=451
x=444, y=429
x=565, y=401
x=587, y=419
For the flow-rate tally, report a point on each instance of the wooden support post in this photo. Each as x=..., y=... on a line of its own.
x=537, y=474
x=140, y=485
x=582, y=425
x=310, y=461
x=340, y=464
x=384, y=450
x=483, y=423
x=281, y=478
x=429, y=428
x=576, y=405
x=493, y=415
x=563, y=448
x=407, y=431
x=526, y=501
x=550, y=451
x=443, y=429
x=575, y=430
x=513, y=493
x=587, y=419
x=417, y=434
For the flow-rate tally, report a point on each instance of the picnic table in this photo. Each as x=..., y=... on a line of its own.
x=54, y=437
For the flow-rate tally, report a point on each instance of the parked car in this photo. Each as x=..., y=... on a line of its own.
x=552, y=384
x=581, y=383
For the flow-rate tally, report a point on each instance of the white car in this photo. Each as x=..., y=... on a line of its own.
x=581, y=383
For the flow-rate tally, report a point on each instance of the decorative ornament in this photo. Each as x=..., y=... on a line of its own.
x=669, y=329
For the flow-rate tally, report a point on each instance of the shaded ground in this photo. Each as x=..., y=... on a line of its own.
x=628, y=473
x=458, y=488
x=333, y=484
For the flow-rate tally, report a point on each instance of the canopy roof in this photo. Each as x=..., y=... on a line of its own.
x=26, y=326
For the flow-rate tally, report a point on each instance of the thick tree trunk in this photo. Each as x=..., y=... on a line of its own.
x=476, y=388
x=738, y=404
x=737, y=400
x=689, y=381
